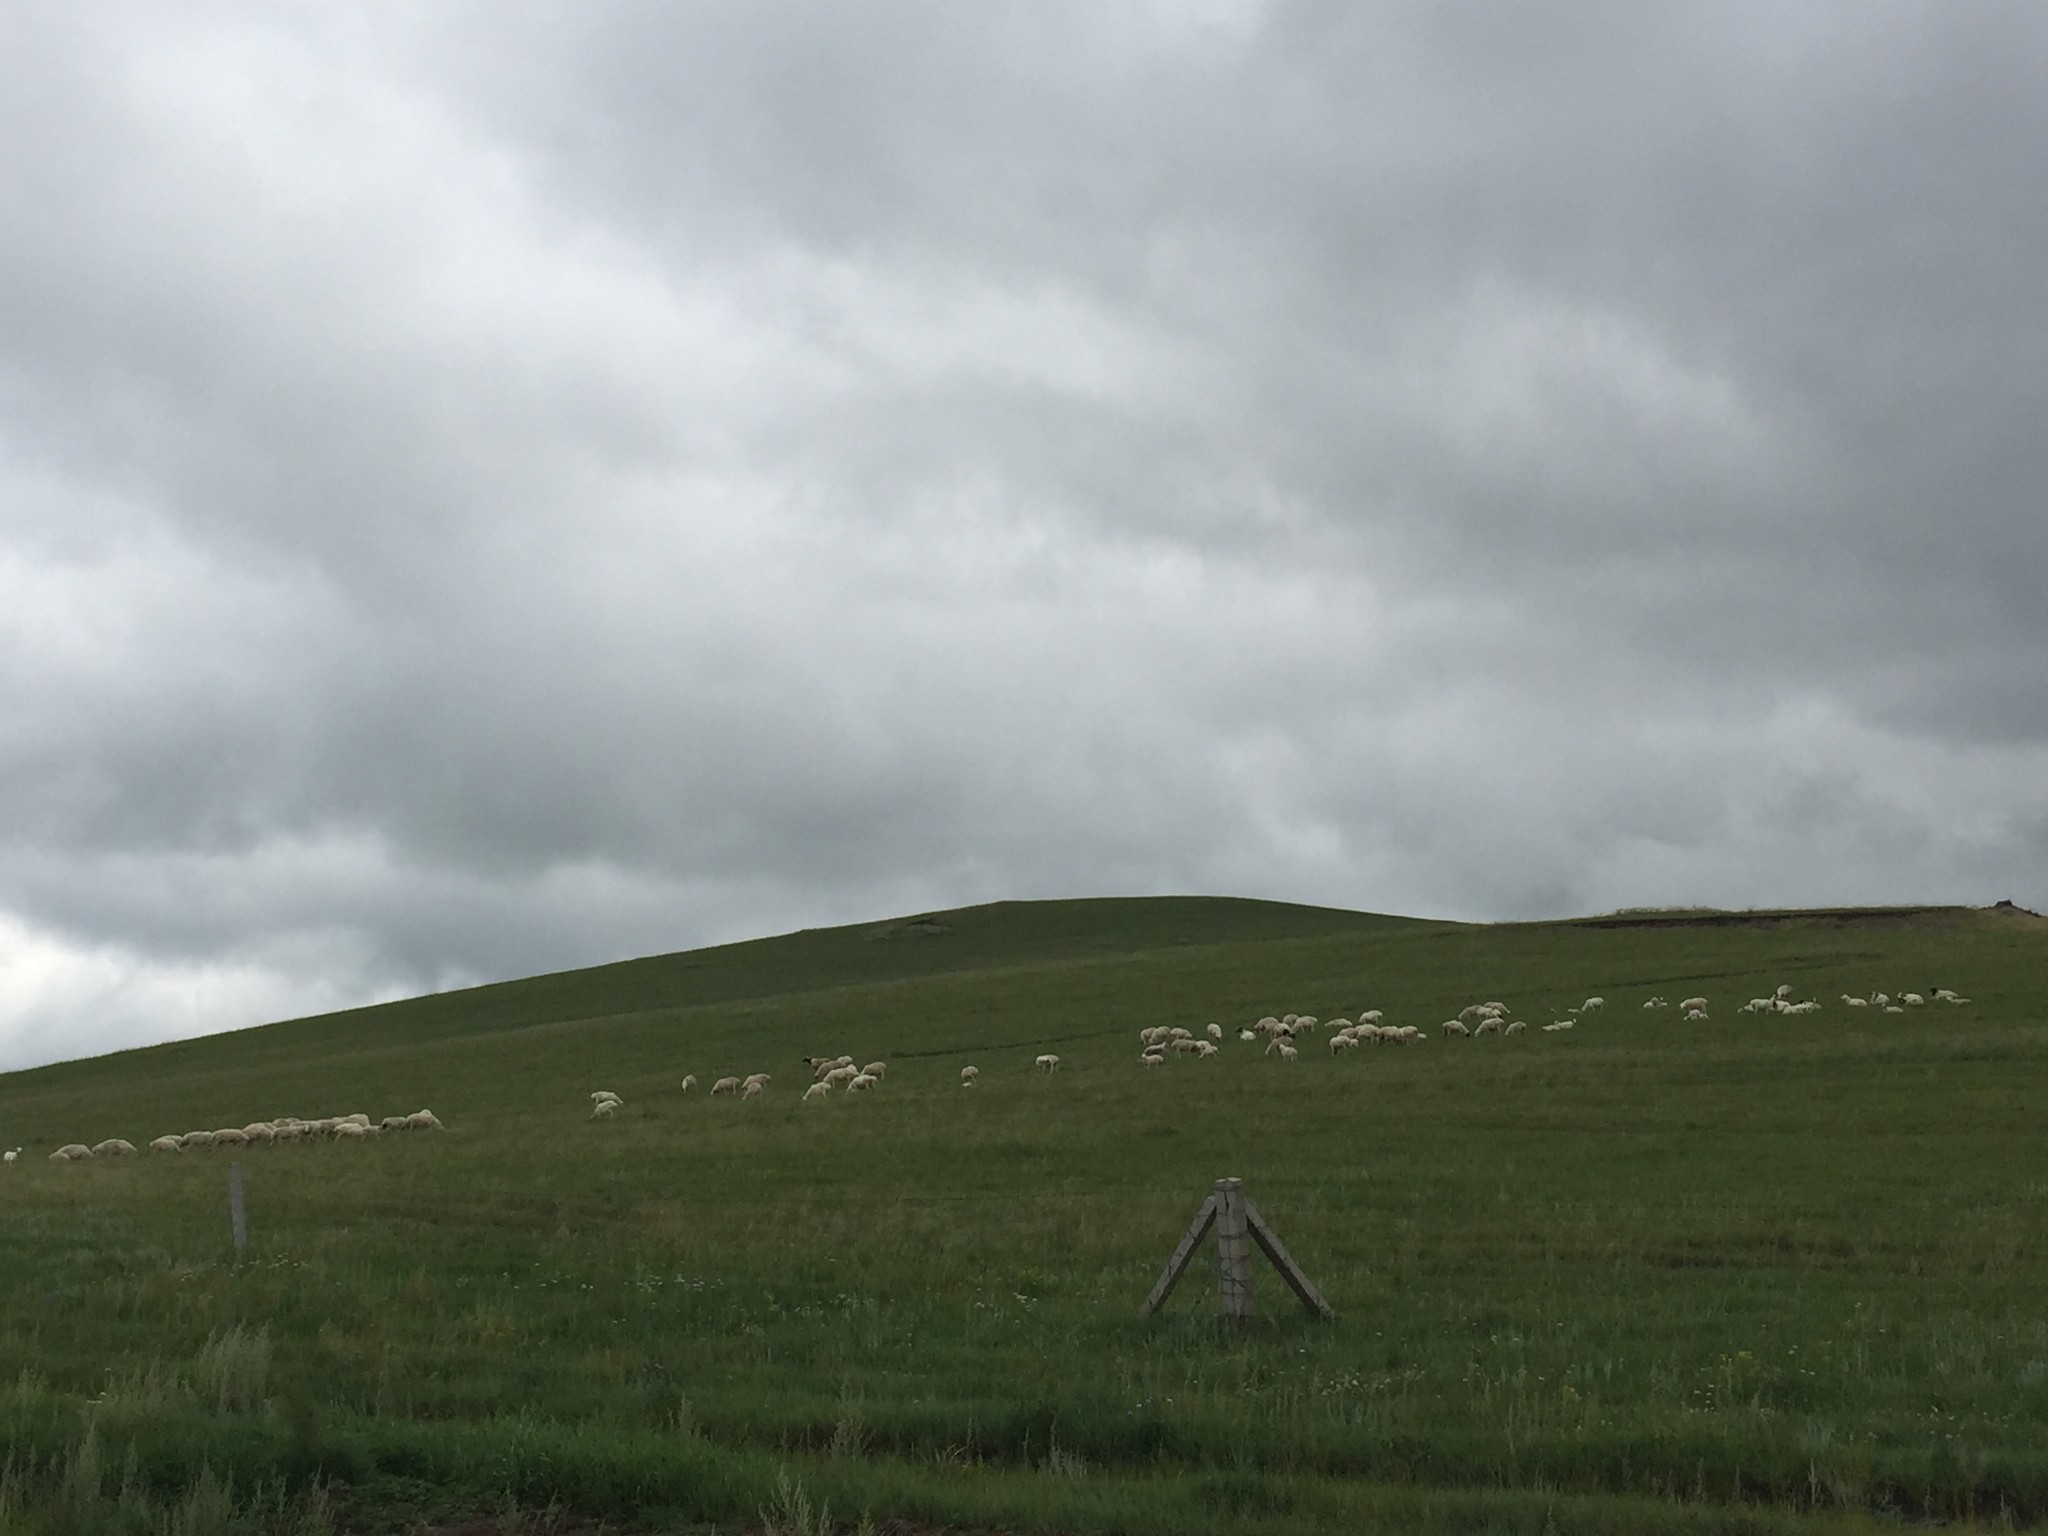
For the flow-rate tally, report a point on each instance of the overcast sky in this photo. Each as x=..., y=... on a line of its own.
x=494, y=487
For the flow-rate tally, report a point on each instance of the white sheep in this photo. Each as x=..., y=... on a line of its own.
x=423, y=1120
x=752, y=1088
x=861, y=1083
x=261, y=1133
x=1880, y=1000
x=1855, y=1002
x=1913, y=1000
x=1517, y=1027
x=817, y=1090
x=1784, y=989
x=1695, y=1015
x=1693, y=1003
x=1248, y=1034
x=1947, y=996
x=231, y=1136
x=348, y=1130
x=1371, y=1016
x=876, y=1069
x=12, y=1154
x=161, y=1144
x=605, y=1093
x=1047, y=1063
x=840, y=1075
x=754, y=1080
x=725, y=1085
x=1558, y=1025
x=72, y=1152
x=1655, y=1002
x=1287, y=1052
x=1490, y=1025
x=114, y=1146
x=1454, y=1027
x=1342, y=1042
x=968, y=1075
x=604, y=1109
x=1206, y=1048
x=689, y=1081
x=1215, y=1031
x=1150, y=1059
x=389, y=1123
x=1591, y=1005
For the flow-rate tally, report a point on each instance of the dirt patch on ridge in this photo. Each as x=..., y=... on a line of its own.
x=1829, y=917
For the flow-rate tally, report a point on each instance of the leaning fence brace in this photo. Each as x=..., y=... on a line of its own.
x=1236, y=1220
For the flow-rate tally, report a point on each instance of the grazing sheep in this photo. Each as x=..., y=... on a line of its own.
x=840, y=1075
x=1591, y=1005
x=1490, y=1025
x=968, y=1075
x=816, y=1091
x=1692, y=1003
x=1371, y=1016
x=1047, y=1063
x=754, y=1080
x=389, y=1123
x=876, y=1069
x=725, y=1085
x=861, y=1083
x=1215, y=1031
x=197, y=1138
x=1454, y=1027
x=1205, y=1048
x=604, y=1109
x=689, y=1081
x=752, y=1088
x=1148, y=1059
x=1248, y=1034
x=232, y=1136
x=605, y=1093
x=295, y=1131
x=1341, y=1042
x=261, y=1133
x=161, y=1144
x=1517, y=1027
x=423, y=1120
x=114, y=1146
x=1287, y=1052
x=348, y=1130
x=72, y=1152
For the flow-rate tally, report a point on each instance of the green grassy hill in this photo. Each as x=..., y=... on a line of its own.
x=1752, y=1274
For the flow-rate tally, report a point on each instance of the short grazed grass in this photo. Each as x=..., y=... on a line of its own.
x=1752, y=1275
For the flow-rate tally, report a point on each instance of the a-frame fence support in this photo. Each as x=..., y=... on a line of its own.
x=1238, y=1226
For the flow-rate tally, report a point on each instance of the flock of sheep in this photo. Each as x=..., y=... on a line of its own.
x=1474, y=1021
x=827, y=1074
x=1156, y=1043
x=281, y=1131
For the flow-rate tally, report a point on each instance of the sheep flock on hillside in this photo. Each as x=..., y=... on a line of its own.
x=282, y=1131
x=1279, y=1036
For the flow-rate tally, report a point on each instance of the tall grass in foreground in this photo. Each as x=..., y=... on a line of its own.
x=1757, y=1275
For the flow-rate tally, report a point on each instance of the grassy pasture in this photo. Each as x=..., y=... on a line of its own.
x=1751, y=1275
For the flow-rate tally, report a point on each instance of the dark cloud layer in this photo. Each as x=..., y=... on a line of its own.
x=491, y=488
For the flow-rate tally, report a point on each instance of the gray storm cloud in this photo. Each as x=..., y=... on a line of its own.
x=488, y=489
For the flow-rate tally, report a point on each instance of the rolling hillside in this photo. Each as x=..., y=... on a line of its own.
x=1750, y=1274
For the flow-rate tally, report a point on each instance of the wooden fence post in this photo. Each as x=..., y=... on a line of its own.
x=236, y=1215
x=1233, y=1251
x=1238, y=1226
